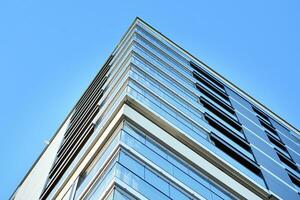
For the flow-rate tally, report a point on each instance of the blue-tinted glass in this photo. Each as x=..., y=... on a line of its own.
x=165, y=47
x=295, y=137
x=200, y=189
x=139, y=184
x=165, y=80
x=177, y=195
x=235, y=145
x=90, y=174
x=155, y=148
x=271, y=165
x=245, y=111
x=133, y=132
x=132, y=164
x=172, y=163
x=157, y=181
x=173, y=66
x=259, y=143
x=279, y=127
x=130, y=141
x=295, y=156
x=238, y=98
x=101, y=185
x=216, y=197
x=200, y=179
x=278, y=187
x=119, y=196
x=251, y=126
x=178, y=164
x=218, y=194
x=148, y=153
x=239, y=166
x=290, y=143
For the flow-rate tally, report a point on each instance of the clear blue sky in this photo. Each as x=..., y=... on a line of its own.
x=50, y=51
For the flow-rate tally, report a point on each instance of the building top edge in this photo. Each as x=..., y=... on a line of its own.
x=231, y=85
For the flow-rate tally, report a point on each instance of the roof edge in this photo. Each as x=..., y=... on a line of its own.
x=236, y=88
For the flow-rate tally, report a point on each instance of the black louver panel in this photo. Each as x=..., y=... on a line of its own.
x=80, y=128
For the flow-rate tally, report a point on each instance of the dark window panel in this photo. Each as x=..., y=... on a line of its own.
x=261, y=114
x=287, y=161
x=207, y=75
x=294, y=179
x=232, y=122
x=268, y=127
x=216, y=99
x=235, y=154
x=277, y=143
x=211, y=86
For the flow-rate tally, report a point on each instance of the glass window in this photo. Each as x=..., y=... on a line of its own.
x=157, y=181
x=268, y=127
x=155, y=148
x=132, y=164
x=148, y=153
x=139, y=184
x=222, y=128
x=91, y=171
x=295, y=156
x=236, y=155
x=207, y=75
x=273, y=165
x=261, y=114
x=278, y=145
x=281, y=189
x=173, y=165
x=216, y=99
x=134, y=133
x=211, y=86
x=200, y=189
x=295, y=180
x=177, y=195
x=118, y=195
x=287, y=162
x=221, y=115
x=238, y=98
x=178, y=164
x=100, y=184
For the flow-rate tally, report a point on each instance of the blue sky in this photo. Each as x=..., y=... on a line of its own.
x=50, y=51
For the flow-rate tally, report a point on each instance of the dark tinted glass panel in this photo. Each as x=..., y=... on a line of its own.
x=294, y=179
x=232, y=152
x=216, y=99
x=277, y=143
x=235, y=124
x=223, y=129
x=287, y=161
x=207, y=75
x=260, y=113
x=267, y=126
x=211, y=86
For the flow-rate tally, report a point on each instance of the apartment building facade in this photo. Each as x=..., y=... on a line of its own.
x=157, y=123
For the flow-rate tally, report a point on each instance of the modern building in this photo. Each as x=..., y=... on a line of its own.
x=157, y=123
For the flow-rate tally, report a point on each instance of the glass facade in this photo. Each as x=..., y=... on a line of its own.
x=173, y=90
x=207, y=111
x=147, y=168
